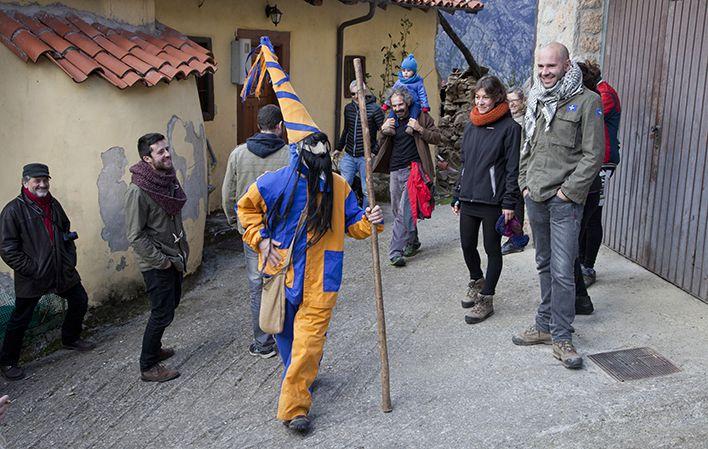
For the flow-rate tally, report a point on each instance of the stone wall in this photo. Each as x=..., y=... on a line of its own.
x=576, y=23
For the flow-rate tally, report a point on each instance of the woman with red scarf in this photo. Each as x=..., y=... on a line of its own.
x=488, y=188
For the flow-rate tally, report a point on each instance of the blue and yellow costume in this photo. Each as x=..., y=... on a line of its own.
x=315, y=274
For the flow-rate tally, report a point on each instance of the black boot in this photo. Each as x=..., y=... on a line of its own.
x=583, y=305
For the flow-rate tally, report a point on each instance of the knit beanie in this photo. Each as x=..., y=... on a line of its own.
x=410, y=63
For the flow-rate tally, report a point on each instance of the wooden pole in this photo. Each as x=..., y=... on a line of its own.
x=380, y=317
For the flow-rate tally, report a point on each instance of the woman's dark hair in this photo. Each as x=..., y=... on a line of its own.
x=493, y=87
x=591, y=74
x=319, y=207
x=146, y=141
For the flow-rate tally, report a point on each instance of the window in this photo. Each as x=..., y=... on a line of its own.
x=205, y=84
x=349, y=73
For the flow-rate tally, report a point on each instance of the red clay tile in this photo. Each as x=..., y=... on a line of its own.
x=8, y=25
x=153, y=77
x=120, y=41
x=83, y=63
x=155, y=61
x=70, y=69
x=110, y=47
x=120, y=56
x=83, y=26
x=60, y=26
x=32, y=24
x=28, y=43
x=113, y=64
x=145, y=45
x=53, y=40
x=13, y=48
x=84, y=43
x=139, y=66
x=202, y=57
x=112, y=78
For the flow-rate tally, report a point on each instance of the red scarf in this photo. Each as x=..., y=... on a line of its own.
x=492, y=116
x=45, y=204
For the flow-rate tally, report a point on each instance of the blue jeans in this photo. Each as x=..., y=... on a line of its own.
x=556, y=225
x=255, y=284
x=348, y=167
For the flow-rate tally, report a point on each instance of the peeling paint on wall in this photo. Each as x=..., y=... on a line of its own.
x=195, y=176
x=122, y=264
x=111, y=191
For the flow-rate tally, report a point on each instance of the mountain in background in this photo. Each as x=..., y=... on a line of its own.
x=500, y=37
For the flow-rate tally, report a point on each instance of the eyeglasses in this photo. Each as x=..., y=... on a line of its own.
x=353, y=94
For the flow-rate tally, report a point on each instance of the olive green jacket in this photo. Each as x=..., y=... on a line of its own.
x=569, y=155
x=154, y=234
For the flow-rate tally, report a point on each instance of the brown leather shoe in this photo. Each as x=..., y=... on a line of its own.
x=165, y=353
x=159, y=373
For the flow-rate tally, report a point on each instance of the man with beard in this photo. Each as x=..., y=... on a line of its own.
x=265, y=151
x=153, y=209
x=309, y=208
x=562, y=153
x=37, y=243
x=402, y=154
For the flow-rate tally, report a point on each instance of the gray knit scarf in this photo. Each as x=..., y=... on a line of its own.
x=570, y=85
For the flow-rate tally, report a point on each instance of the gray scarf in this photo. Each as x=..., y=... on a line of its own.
x=570, y=85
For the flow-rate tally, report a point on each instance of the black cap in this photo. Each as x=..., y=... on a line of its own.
x=35, y=170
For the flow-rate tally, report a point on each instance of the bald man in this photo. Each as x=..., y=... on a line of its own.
x=562, y=153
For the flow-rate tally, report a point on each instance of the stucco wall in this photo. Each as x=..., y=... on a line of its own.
x=312, y=54
x=135, y=12
x=576, y=23
x=87, y=134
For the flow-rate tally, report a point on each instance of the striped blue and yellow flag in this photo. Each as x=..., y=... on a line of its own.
x=298, y=121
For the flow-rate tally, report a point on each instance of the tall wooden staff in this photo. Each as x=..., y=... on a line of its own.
x=380, y=318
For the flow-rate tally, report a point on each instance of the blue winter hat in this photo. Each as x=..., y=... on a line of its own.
x=410, y=63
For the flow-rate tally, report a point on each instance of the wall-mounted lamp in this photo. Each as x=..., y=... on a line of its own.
x=274, y=14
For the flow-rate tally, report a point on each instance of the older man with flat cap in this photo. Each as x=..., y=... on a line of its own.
x=37, y=243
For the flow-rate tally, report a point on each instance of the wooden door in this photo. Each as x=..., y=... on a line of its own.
x=247, y=111
x=656, y=56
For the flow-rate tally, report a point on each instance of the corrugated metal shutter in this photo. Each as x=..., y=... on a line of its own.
x=656, y=56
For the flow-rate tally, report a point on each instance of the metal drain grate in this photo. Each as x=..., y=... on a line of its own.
x=633, y=364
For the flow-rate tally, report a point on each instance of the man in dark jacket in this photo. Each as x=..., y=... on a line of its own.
x=153, y=211
x=398, y=151
x=352, y=139
x=36, y=242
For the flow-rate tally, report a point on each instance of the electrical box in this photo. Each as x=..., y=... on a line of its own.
x=240, y=62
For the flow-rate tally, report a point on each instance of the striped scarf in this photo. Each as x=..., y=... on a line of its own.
x=569, y=86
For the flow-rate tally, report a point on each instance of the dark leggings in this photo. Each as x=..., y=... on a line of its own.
x=470, y=221
x=592, y=219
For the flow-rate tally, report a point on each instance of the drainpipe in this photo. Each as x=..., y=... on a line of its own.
x=340, y=64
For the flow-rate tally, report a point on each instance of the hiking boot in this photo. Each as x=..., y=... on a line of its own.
x=12, y=372
x=264, y=353
x=159, y=373
x=589, y=275
x=80, y=345
x=483, y=309
x=583, y=305
x=165, y=353
x=398, y=261
x=564, y=351
x=473, y=288
x=411, y=249
x=300, y=424
x=532, y=336
x=510, y=248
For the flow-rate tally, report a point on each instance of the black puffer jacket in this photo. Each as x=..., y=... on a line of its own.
x=352, y=140
x=490, y=163
x=41, y=266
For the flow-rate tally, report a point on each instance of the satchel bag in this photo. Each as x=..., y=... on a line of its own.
x=272, y=314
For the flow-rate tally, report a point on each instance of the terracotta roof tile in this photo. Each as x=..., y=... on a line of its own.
x=8, y=25
x=28, y=43
x=81, y=46
x=84, y=43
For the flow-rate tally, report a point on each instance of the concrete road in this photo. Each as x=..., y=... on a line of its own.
x=453, y=385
